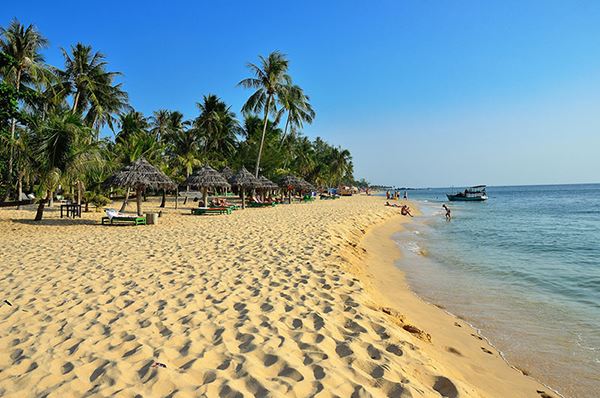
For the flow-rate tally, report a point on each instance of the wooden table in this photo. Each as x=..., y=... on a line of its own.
x=71, y=210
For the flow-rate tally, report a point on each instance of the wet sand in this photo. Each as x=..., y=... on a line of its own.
x=297, y=300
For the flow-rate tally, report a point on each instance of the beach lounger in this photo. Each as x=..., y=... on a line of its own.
x=115, y=217
x=257, y=204
x=201, y=211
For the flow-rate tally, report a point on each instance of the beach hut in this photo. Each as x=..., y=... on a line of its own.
x=206, y=178
x=244, y=180
x=138, y=176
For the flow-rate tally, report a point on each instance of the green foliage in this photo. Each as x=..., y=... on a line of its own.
x=100, y=201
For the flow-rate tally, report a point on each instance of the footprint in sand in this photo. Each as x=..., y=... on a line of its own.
x=394, y=349
x=270, y=359
x=445, y=387
x=486, y=351
x=373, y=352
x=343, y=350
x=318, y=372
x=291, y=373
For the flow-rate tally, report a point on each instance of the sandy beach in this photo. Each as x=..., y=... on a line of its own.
x=296, y=300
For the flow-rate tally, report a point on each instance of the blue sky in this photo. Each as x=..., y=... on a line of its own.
x=423, y=93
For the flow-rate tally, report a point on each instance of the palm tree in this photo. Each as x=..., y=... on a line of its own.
x=160, y=123
x=131, y=123
x=23, y=45
x=61, y=148
x=340, y=164
x=270, y=81
x=217, y=128
x=86, y=78
x=298, y=108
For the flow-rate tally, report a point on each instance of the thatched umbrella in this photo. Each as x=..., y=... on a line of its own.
x=289, y=183
x=205, y=178
x=305, y=185
x=226, y=172
x=139, y=176
x=244, y=180
x=267, y=184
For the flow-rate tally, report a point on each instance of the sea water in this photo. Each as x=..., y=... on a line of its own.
x=524, y=268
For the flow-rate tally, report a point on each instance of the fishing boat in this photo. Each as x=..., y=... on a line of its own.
x=472, y=194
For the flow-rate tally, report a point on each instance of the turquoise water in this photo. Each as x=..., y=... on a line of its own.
x=524, y=268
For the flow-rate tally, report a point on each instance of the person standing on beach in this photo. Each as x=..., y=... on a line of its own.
x=448, y=215
x=405, y=195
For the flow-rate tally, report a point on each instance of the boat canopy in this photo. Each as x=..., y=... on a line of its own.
x=476, y=189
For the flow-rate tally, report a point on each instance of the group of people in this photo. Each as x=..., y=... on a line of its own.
x=395, y=195
x=404, y=209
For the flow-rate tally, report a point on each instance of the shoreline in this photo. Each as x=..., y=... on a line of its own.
x=387, y=283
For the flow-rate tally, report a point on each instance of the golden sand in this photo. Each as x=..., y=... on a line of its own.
x=296, y=300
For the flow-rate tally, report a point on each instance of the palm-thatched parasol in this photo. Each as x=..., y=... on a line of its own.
x=266, y=183
x=305, y=185
x=244, y=180
x=289, y=183
x=140, y=175
x=227, y=173
x=205, y=178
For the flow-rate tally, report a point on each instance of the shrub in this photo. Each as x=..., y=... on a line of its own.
x=100, y=201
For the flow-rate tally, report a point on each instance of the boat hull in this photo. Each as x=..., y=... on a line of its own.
x=457, y=198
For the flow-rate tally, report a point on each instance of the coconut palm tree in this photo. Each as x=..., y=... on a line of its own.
x=131, y=123
x=297, y=105
x=23, y=45
x=216, y=128
x=62, y=148
x=92, y=86
x=270, y=81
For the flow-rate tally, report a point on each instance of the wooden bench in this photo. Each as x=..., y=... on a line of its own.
x=116, y=220
x=211, y=210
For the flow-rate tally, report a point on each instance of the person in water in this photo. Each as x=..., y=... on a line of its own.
x=448, y=214
x=405, y=211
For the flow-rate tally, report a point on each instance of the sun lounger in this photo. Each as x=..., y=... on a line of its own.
x=200, y=211
x=115, y=217
x=258, y=204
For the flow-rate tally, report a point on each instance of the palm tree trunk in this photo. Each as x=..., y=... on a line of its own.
x=51, y=199
x=243, y=197
x=79, y=192
x=40, y=210
x=164, y=198
x=75, y=102
x=124, y=205
x=19, y=189
x=285, y=129
x=13, y=127
x=205, y=196
x=262, y=139
x=176, y=196
x=138, y=200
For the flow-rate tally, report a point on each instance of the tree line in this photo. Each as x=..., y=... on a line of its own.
x=51, y=119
